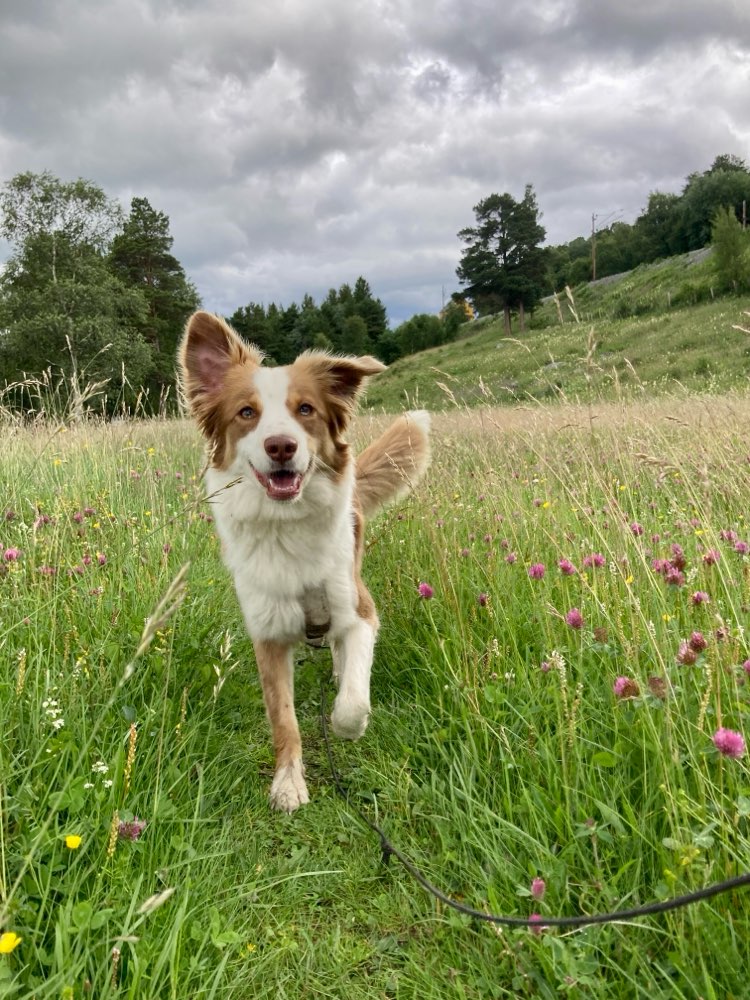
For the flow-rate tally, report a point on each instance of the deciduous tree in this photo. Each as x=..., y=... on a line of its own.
x=731, y=251
x=58, y=300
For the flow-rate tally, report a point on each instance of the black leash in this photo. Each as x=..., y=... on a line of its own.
x=389, y=850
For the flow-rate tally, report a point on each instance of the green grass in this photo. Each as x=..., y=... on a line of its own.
x=628, y=341
x=486, y=767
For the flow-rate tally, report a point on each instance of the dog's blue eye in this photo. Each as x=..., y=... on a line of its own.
x=247, y=412
x=305, y=410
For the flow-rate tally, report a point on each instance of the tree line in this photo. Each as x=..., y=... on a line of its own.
x=670, y=224
x=504, y=268
x=90, y=289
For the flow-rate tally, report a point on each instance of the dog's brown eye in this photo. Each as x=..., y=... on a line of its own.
x=247, y=412
x=305, y=410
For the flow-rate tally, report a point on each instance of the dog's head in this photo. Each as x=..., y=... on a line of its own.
x=282, y=423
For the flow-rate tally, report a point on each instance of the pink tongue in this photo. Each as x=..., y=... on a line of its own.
x=283, y=487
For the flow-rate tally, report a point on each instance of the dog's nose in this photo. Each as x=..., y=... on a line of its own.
x=280, y=448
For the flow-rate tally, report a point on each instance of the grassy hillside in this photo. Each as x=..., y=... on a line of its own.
x=627, y=338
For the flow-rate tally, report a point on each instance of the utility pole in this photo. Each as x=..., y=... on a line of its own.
x=744, y=213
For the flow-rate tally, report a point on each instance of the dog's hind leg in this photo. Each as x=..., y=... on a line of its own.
x=288, y=790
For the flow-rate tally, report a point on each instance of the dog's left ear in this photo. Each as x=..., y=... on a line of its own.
x=342, y=380
x=346, y=375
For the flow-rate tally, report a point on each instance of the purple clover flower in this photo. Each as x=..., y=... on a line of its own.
x=131, y=829
x=626, y=687
x=538, y=888
x=729, y=743
x=697, y=642
x=574, y=618
x=686, y=655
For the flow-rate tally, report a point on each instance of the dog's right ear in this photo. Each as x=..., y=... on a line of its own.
x=209, y=348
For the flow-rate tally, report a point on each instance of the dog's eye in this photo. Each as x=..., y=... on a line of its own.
x=305, y=410
x=247, y=412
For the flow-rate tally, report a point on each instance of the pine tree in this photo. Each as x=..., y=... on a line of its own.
x=141, y=258
x=502, y=264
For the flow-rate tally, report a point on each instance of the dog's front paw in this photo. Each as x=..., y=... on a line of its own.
x=349, y=718
x=288, y=790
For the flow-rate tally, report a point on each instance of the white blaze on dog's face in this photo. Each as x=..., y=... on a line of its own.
x=283, y=424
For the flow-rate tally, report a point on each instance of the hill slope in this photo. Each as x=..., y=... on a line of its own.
x=653, y=329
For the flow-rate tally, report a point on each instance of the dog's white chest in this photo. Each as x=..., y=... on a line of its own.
x=277, y=563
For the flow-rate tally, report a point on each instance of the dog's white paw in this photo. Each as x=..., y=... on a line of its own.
x=288, y=790
x=349, y=718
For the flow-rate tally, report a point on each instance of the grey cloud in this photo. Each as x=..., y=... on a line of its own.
x=297, y=145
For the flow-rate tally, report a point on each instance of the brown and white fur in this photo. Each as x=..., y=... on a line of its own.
x=289, y=502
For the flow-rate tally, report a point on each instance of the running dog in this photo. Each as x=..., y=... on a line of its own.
x=290, y=502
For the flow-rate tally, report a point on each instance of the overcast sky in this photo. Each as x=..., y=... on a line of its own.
x=296, y=144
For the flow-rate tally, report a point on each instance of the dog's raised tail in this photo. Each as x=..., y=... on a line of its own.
x=393, y=464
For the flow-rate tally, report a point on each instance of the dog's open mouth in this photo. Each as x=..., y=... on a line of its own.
x=284, y=484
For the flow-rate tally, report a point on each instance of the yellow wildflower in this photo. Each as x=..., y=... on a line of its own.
x=8, y=941
x=73, y=841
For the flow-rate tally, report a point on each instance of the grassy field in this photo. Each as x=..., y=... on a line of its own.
x=528, y=723
x=653, y=330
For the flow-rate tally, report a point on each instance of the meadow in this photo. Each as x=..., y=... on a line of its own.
x=560, y=707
